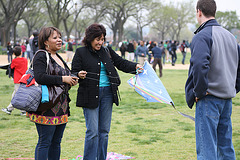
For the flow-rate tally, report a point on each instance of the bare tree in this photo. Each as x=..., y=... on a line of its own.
x=34, y=16
x=1, y=17
x=71, y=15
x=184, y=14
x=12, y=11
x=98, y=9
x=162, y=20
x=113, y=23
x=118, y=13
x=170, y=19
x=143, y=16
x=56, y=10
x=82, y=24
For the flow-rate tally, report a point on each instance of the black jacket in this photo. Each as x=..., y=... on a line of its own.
x=88, y=60
x=41, y=77
x=130, y=47
x=39, y=67
x=35, y=44
x=10, y=71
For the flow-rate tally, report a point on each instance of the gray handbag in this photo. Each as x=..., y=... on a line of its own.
x=29, y=93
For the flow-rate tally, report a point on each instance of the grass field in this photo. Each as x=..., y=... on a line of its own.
x=147, y=131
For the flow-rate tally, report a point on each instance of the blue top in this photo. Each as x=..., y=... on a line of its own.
x=142, y=49
x=104, y=80
x=157, y=52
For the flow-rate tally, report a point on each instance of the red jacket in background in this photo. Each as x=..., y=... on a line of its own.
x=19, y=65
x=23, y=48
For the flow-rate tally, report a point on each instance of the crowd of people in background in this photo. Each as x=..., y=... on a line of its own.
x=93, y=67
x=168, y=48
x=28, y=47
x=154, y=52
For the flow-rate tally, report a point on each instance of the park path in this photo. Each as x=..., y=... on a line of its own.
x=3, y=61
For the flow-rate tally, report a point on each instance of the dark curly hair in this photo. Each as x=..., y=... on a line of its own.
x=93, y=31
x=44, y=34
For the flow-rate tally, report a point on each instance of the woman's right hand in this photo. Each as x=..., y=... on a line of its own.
x=82, y=74
x=72, y=81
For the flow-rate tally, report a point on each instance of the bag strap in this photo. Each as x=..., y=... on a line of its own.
x=108, y=52
x=47, y=55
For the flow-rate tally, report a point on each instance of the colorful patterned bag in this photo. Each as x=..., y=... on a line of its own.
x=110, y=156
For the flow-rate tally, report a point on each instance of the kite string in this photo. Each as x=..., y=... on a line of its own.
x=109, y=75
x=98, y=73
x=99, y=80
x=183, y=114
x=106, y=75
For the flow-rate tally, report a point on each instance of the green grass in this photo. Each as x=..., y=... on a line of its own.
x=3, y=50
x=147, y=131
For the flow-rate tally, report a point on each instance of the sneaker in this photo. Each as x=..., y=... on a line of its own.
x=23, y=114
x=6, y=111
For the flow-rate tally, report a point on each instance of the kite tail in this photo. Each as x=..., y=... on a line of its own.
x=185, y=115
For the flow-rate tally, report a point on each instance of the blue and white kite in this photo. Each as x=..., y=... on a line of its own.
x=148, y=85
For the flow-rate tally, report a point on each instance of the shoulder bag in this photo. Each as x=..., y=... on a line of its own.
x=28, y=96
x=29, y=93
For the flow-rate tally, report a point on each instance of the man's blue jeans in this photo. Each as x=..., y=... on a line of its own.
x=213, y=129
x=98, y=123
x=164, y=57
x=184, y=56
x=49, y=141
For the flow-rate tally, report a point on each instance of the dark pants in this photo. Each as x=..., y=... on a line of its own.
x=149, y=58
x=174, y=57
x=164, y=58
x=123, y=54
x=184, y=56
x=48, y=146
x=159, y=62
x=9, y=57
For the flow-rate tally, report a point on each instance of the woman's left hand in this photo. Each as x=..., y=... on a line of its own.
x=72, y=81
x=139, y=68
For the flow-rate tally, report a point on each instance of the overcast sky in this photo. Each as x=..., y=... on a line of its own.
x=222, y=5
x=228, y=5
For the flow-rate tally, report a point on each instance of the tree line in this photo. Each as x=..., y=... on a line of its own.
x=73, y=16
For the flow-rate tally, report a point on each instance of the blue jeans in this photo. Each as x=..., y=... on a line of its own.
x=164, y=57
x=48, y=146
x=213, y=129
x=184, y=56
x=98, y=123
x=136, y=57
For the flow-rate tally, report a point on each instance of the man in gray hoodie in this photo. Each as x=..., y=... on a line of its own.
x=213, y=80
